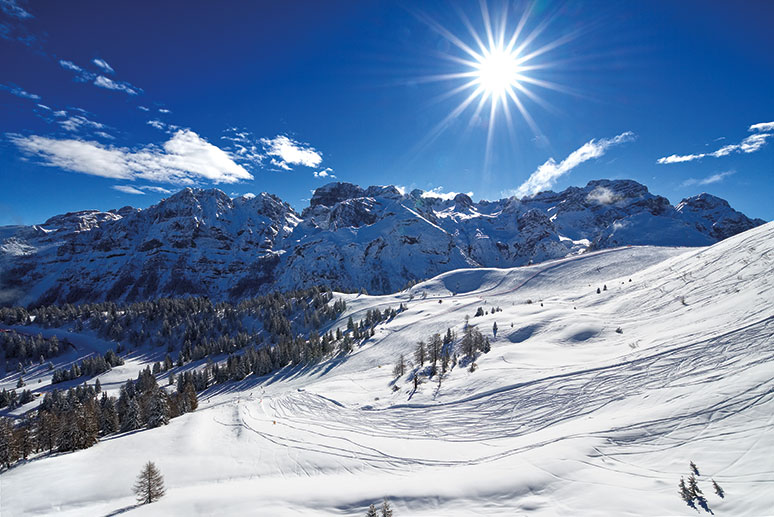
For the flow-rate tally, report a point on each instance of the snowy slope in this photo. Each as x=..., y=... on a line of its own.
x=565, y=415
x=201, y=242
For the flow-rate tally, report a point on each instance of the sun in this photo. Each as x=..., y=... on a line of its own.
x=498, y=73
x=499, y=67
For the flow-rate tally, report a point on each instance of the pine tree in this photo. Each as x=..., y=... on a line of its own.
x=372, y=512
x=8, y=446
x=718, y=490
x=686, y=494
x=400, y=367
x=150, y=484
x=158, y=409
x=420, y=353
x=132, y=418
x=386, y=508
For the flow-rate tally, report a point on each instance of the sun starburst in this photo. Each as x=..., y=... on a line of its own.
x=500, y=67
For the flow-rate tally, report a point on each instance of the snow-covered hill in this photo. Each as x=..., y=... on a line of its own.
x=589, y=403
x=202, y=242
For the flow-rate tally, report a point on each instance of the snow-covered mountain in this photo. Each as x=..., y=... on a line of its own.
x=203, y=242
x=589, y=403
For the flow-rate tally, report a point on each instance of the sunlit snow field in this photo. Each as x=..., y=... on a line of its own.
x=565, y=415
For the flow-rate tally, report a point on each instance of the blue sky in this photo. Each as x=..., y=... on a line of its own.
x=119, y=103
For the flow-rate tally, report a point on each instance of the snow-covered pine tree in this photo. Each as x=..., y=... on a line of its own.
x=386, y=508
x=371, y=512
x=132, y=418
x=150, y=484
x=158, y=408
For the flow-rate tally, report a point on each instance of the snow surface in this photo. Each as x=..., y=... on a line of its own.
x=565, y=415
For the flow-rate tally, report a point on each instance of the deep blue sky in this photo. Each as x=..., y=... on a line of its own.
x=343, y=85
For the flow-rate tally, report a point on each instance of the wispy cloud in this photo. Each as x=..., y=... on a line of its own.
x=140, y=190
x=546, y=175
x=101, y=63
x=15, y=90
x=83, y=75
x=750, y=144
x=325, y=173
x=72, y=123
x=714, y=178
x=128, y=189
x=285, y=152
x=157, y=124
x=185, y=159
x=110, y=84
x=143, y=108
x=11, y=8
x=160, y=190
x=603, y=196
x=164, y=110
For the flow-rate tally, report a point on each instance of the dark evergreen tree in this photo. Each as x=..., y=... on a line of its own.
x=158, y=408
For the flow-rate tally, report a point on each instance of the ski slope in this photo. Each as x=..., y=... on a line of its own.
x=564, y=416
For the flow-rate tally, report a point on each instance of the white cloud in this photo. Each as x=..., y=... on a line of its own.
x=185, y=159
x=103, y=65
x=75, y=122
x=438, y=193
x=157, y=124
x=128, y=189
x=750, y=144
x=546, y=175
x=160, y=190
x=164, y=110
x=680, y=158
x=69, y=65
x=99, y=80
x=714, y=178
x=286, y=152
x=15, y=90
x=11, y=8
x=143, y=108
x=603, y=196
x=762, y=126
x=104, y=82
x=325, y=173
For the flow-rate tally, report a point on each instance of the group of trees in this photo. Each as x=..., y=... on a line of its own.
x=88, y=367
x=196, y=327
x=437, y=351
x=440, y=353
x=77, y=418
x=692, y=495
x=27, y=348
x=384, y=511
x=10, y=399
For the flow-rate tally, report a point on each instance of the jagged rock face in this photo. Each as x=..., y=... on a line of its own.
x=202, y=242
x=715, y=216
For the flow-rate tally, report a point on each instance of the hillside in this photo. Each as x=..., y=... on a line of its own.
x=204, y=243
x=610, y=371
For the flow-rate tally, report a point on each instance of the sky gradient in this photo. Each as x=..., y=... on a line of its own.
x=112, y=104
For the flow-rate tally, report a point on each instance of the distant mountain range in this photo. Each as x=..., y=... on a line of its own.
x=202, y=242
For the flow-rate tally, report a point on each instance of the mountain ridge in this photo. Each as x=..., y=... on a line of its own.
x=379, y=238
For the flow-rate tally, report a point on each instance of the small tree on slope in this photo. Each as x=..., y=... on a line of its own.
x=150, y=484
